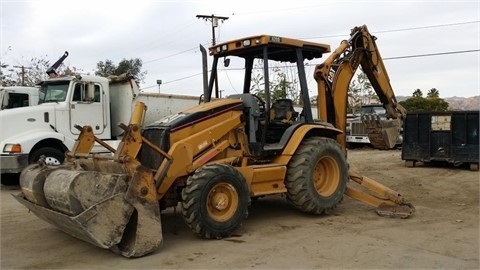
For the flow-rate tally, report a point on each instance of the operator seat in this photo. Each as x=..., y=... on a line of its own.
x=282, y=112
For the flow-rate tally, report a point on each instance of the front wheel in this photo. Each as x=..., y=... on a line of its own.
x=215, y=201
x=53, y=156
x=317, y=176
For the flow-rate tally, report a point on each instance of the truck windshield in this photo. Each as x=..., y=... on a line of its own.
x=53, y=92
x=373, y=110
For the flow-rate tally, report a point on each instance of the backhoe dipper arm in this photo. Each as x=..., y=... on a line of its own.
x=334, y=75
x=333, y=78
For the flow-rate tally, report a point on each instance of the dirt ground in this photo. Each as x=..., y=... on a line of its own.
x=442, y=234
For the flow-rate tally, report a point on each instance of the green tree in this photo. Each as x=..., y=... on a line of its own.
x=132, y=66
x=282, y=84
x=432, y=103
x=32, y=72
x=417, y=93
x=433, y=93
x=360, y=91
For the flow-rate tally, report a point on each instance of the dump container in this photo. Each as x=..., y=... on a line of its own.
x=441, y=136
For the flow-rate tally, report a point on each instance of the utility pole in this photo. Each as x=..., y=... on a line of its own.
x=23, y=73
x=159, y=82
x=214, y=19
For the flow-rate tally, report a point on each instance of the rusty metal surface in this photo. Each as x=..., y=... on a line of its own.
x=101, y=225
x=382, y=133
x=401, y=211
x=96, y=207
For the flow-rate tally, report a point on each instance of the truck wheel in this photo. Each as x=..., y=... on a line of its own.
x=317, y=176
x=9, y=179
x=215, y=201
x=53, y=156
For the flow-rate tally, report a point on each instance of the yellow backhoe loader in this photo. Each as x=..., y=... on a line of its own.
x=212, y=159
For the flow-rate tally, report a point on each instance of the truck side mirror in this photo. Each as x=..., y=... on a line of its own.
x=5, y=100
x=90, y=95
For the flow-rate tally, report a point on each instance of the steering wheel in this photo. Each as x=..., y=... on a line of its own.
x=260, y=103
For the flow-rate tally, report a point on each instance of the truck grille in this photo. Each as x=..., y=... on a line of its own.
x=358, y=128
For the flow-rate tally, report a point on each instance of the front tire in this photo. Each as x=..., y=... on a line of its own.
x=215, y=201
x=53, y=156
x=317, y=176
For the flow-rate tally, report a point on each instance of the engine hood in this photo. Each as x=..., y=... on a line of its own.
x=27, y=119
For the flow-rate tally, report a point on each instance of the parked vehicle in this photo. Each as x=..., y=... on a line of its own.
x=18, y=96
x=211, y=159
x=50, y=128
x=358, y=134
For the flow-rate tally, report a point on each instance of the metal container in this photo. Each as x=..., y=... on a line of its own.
x=441, y=136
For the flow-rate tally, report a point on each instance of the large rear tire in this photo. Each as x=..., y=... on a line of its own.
x=215, y=201
x=317, y=176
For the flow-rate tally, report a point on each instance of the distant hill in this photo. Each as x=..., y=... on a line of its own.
x=463, y=104
x=457, y=103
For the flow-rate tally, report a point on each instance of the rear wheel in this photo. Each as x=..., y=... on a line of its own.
x=215, y=201
x=317, y=176
x=53, y=156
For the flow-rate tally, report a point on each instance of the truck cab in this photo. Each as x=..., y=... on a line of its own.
x=18, y=96
x=49, y=128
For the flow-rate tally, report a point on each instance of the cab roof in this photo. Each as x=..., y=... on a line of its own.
x=252, y=47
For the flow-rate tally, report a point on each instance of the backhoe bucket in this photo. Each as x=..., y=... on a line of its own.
x=106, y=209
x=382, y=133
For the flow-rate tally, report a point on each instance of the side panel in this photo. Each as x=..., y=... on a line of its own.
x=121, y=97
x=161, y=105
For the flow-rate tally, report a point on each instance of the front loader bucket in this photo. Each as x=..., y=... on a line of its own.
x=106, y=209
x=382, y=133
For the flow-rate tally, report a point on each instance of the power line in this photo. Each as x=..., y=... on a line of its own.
x=401, y=29
x=329, y=36
x=385, y=58
x=168, y=56
x=430, y=54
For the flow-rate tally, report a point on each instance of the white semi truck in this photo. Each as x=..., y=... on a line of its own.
x=18, y=96
x=49, y=128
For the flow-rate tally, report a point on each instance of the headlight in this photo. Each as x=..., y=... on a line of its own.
x=246, y=43
x=12, y=148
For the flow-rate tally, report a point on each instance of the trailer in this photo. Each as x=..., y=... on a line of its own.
x=441, y=136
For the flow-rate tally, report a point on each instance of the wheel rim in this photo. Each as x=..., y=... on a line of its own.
x=222, y=202
x=51, y=161
x=326, y=176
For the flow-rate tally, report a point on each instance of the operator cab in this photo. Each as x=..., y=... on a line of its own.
x=270, y=115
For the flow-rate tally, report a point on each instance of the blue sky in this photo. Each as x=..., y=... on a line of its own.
x=166, y=35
